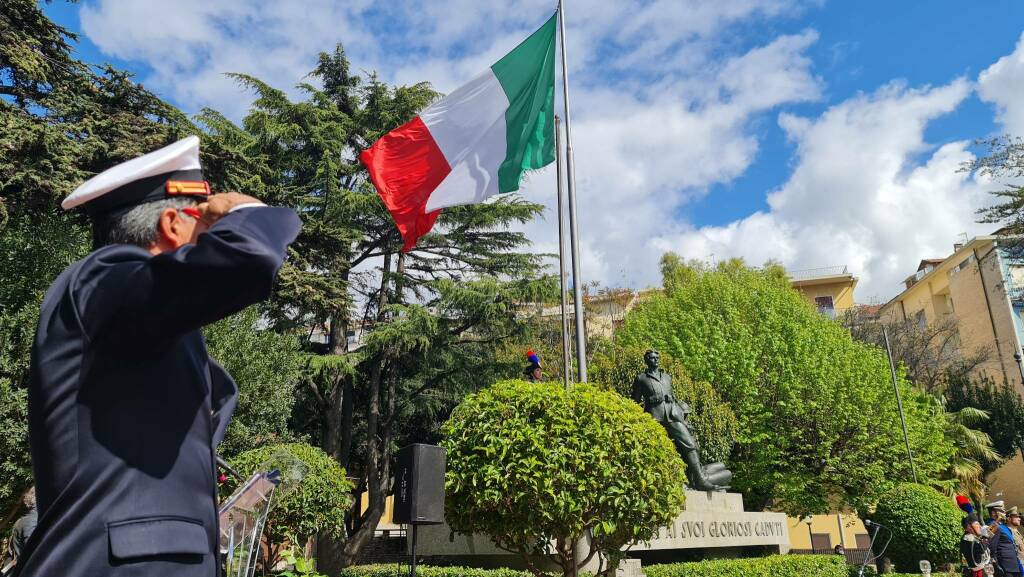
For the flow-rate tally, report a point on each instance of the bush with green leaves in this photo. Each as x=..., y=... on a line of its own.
x=266, y=365
x=925, y=525
x=712, y=420
x=772, y=566
x=429, y=571
x=869, y=571
x=818, y=427
x=533, y=465
x=315, y=505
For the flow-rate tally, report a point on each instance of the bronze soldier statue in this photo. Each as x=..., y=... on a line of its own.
x=653, y=389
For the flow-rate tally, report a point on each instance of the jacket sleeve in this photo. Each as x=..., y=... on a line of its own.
x=128, y=300
x=995, y=543
x=225, y=397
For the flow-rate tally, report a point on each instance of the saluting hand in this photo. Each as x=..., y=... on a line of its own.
x=218, y=205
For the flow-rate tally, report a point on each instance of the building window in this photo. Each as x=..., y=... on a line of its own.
x=863, y=540
x=821, y=542
x=825, y=306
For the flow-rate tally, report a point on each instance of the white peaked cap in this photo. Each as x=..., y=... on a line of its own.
x=996, y=505
x=181, y=156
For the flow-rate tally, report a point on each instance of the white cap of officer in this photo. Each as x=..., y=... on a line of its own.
x=172, y=171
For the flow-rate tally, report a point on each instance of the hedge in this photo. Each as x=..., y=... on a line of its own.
x=870, y=572
x=390, y=570
x=772, y=566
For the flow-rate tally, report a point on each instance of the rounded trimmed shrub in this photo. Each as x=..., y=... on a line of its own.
x=925, y=525
x=317, y=504
x=532, y=463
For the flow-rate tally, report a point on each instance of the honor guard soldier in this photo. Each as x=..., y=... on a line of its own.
x=125, y=405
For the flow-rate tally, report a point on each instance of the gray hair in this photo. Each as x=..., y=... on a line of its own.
x=137, y=226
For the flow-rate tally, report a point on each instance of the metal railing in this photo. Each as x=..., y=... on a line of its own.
x=853, y=556
x=809, y=273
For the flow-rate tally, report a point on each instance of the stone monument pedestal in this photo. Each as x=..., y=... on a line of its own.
x=711, y=525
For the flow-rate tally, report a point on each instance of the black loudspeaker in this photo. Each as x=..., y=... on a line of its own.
x=419, y=485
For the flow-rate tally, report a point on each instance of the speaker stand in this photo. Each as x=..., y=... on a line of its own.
x=412, y=564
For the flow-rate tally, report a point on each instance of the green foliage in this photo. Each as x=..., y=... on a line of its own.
x=1005, y=408
x=712, y=421
x=924, y=524
x=429, y=571
x=818, y=426
x=772, y=566
x=1004, y=160
x=869, y=571
x=15, y=460
x=529, y=463
x=266, y=365
x=301, y=566
x=317, y=505
x=973, y=451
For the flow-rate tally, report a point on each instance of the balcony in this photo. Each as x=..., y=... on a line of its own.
x=1016, y=293
x=820, y=272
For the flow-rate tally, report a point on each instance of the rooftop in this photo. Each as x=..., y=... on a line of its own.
x=824, y=273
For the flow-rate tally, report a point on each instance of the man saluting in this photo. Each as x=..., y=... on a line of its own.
x=125, y=405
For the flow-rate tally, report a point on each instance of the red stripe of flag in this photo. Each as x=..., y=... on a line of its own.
x=406, y=165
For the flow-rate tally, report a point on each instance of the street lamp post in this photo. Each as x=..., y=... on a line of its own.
x=810, y=536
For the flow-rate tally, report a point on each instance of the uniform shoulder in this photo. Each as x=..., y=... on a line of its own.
x=108, y=256
x=96, y=264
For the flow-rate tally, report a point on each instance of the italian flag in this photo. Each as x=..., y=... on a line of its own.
x=472, y=144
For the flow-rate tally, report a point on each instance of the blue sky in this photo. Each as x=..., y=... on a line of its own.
x=814, y=133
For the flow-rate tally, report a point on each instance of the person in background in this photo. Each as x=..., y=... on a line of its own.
x=1014, y=523
x=1001, y=544
x=20, y=533
x=976, y=555
x=532, y=372
x=996, y=512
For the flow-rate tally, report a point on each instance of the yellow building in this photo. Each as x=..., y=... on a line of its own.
x=981, y=287
x=829, y=288
x=975, y=285
x=823, y=532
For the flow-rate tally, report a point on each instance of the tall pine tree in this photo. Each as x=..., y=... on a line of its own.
x=390, y=335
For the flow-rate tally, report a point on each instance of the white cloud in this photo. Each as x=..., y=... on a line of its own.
x=1002, y=84
x=663, y=98
x=190, y=44
x=867, y=191
x=640, y=157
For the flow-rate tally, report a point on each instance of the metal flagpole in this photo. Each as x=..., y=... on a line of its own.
x=566, y=362
x=577, y=285
x=899, y=402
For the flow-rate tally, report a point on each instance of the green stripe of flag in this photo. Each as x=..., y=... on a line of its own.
x=527, y=75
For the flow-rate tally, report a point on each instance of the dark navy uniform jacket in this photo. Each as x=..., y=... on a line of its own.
x=126, y=407
x=1004, y=551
